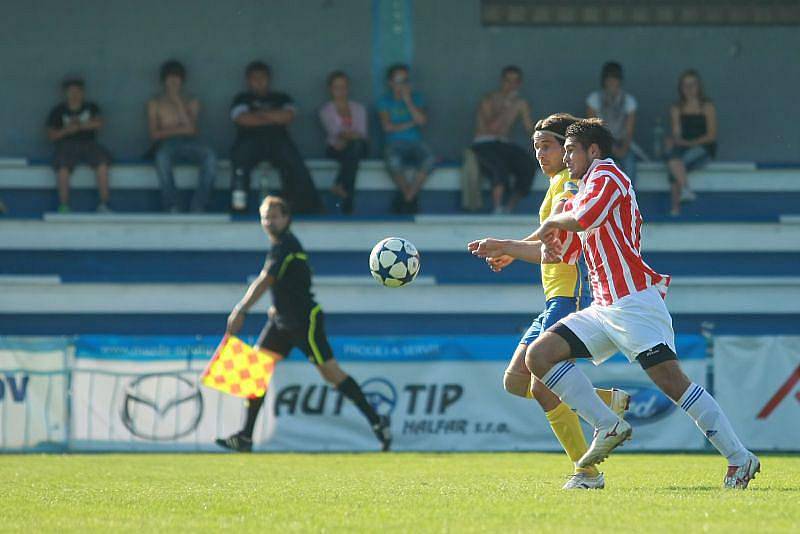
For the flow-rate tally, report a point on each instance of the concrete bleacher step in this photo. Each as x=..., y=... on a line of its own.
x=454, y=267
x=428, y=233
x=692, y=295
x=128, y=219
x=725, y=191
x=652, y=177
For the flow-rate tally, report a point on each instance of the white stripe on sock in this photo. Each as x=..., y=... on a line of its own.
x=711, y=420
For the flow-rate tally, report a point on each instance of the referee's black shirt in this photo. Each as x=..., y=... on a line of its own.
x=287, y=263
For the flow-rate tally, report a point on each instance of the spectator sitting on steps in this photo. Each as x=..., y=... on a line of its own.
x=172, y=122
x=262, y=117
x=498, y=156
x=617, y=109
x=402, y=114
x=345, y=123
x=694, y=137
x=73, y=125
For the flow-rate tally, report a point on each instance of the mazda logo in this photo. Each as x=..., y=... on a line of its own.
x=381, y=395
x=161, y=407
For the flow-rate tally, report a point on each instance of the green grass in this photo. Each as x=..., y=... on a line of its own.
x=390, y=492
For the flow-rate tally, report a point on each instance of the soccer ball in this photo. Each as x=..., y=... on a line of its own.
x=394, y=262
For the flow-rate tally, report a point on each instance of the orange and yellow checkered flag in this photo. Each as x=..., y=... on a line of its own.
x=239, y=370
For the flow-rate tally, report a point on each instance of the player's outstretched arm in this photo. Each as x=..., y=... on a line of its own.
x=490, y=248
x=549, y=229
x=259, y=286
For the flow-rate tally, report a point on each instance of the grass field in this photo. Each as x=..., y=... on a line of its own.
x=390, y=492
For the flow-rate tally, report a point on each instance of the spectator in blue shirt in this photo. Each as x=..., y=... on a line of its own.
x=402, y=113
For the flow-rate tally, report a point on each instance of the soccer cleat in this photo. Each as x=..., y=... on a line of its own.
x=620, y=402
x=584, y=481
x=383, y=432
x=237, y=442
x=739, y=476
x=606, y=439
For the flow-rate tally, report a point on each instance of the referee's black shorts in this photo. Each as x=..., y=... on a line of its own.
x=310, y=338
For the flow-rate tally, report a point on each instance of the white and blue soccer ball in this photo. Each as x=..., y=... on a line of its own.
x=394, y=262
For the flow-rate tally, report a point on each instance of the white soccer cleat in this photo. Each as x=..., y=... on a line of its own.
x=584, y=481
x=739, y=476
x=620, y=402
x=606, y=439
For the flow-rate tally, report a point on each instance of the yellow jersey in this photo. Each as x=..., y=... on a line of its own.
x=560, y=279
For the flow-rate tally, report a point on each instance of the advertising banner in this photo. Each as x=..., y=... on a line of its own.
x=757, y=382
x=443, y=393
x=33, y=393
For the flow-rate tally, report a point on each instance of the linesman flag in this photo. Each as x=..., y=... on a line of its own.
x=239, y=370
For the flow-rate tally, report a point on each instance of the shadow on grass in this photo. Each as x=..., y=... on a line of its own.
x=692, y=488
x=720, y=488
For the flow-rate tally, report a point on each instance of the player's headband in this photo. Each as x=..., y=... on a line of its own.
x=554, y=134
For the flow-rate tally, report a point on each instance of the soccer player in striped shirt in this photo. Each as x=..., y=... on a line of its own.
x=628, y=313
x=566, y=290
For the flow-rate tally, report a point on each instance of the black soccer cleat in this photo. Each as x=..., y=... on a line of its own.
x=383, y=432
x=237, y=442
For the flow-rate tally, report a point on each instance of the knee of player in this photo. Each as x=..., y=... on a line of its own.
x=535, y=358
x=516, y=384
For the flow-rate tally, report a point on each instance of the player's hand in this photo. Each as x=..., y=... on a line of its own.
x=487, y=248
x=552, y=254
x=547, y=234
x=235, y=321
x=499, y=263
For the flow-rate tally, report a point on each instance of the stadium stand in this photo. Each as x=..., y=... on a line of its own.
x=727, y=191
x=141, y=273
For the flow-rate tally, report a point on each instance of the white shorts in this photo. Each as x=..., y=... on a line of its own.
x=631, y=325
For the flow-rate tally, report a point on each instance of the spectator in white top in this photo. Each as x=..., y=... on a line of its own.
x=345, y=123
x=618, y=110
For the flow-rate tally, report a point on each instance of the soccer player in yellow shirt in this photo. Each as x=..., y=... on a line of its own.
x=566, y=290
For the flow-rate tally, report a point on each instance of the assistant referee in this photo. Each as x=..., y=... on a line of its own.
x=295, y=320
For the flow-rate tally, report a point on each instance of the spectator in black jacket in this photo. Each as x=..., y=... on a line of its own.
x=262, y=117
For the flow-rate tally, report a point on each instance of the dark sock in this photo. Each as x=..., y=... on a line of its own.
x=254, y=405
x=350, y=389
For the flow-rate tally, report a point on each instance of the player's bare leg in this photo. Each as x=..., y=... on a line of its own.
x=710, y=419
x=344, y=383
x=549, y=359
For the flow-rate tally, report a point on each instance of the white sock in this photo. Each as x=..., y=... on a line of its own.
x=572, y=387
x=709, y=418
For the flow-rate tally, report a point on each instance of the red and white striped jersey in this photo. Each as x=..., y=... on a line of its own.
x=606, y=207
